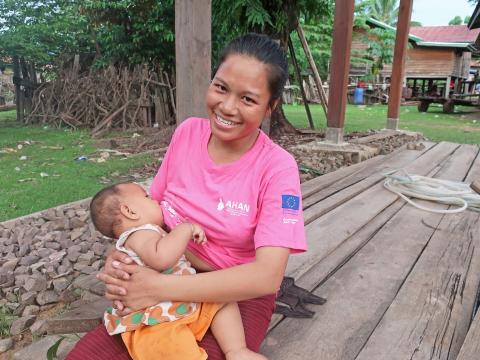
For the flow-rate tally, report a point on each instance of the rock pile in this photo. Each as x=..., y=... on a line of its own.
x=45, y=257
x=315, y=158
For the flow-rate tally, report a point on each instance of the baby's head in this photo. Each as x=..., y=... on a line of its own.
x=122, y=206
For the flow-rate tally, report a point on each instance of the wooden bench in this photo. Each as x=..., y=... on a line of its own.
x=400, y=282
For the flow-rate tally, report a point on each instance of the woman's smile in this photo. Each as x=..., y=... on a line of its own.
x=221, y=121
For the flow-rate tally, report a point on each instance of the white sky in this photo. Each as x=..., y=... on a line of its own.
x=440, y=12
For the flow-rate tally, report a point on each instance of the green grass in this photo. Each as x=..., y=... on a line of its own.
x=22, y=188
x=461, y=127
x=6, y=319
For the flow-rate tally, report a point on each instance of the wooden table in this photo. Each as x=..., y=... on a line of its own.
x=400, y=282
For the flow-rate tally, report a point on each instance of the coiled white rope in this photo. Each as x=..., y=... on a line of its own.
x=442, y=191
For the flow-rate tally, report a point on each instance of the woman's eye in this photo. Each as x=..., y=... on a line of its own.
x=220, y=87
x=248, y=100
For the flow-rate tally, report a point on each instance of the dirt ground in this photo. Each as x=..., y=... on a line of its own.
x=155, y=141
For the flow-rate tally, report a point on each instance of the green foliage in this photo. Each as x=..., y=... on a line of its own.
x=129, y=32
x=52, y=350
x=134, y=31
x=457, y=20
x=119, y=31
x=277, y=18
x=467, y=19
x=380, y=44
x=382, y=10
x=415, y=23
x=319, y=38
x=40, y=31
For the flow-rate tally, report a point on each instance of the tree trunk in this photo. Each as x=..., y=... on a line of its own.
x=279, y=125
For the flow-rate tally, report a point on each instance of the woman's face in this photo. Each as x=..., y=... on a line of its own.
x=238, y=99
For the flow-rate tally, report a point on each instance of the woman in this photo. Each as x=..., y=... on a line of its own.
x=228, y=176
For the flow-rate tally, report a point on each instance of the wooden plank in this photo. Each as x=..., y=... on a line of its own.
x=329, y=231
x=471, y=346
x=344, y=252
x=360, y=291
x=323, y=201
x=311, y=187
x=429, y=317
x=192, y=56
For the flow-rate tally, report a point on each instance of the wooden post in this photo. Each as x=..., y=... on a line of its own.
x=399, y=56
x=193, y=44
x=300, y=82
x=447, y=87
x=316, y=75
x=339, y=70
x=17, y=79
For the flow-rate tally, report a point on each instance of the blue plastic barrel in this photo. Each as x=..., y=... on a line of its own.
x=358, y=96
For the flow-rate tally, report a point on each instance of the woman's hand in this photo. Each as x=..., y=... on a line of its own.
x=111, y=273
x=133, y=292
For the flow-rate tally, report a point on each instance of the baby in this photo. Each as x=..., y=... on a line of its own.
x=168, y=330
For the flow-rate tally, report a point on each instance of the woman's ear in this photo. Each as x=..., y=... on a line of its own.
x=271, y=108
x=128, y=212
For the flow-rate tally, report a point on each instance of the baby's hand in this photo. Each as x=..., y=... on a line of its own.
x=198, y=234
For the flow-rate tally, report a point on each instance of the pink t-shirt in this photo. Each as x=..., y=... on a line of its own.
x=252, y=202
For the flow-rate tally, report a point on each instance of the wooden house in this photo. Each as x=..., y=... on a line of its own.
x=438, y=58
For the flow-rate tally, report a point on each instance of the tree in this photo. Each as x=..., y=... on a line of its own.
x=415, y=23
x=383, y=10
x=40, y=31
x=130, y=32
x=457, y=20
x=467, y=19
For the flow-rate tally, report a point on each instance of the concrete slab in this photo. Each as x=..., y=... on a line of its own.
x=38, y=350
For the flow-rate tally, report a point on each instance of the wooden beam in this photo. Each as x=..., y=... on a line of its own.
x=300, y=82
x=313, y=67
x=339, y=69
x=398, y=68
x=193, y=44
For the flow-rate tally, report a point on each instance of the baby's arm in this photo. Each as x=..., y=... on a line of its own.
x=162, y=252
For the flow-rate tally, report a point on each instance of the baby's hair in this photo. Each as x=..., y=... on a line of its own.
x=105, y=210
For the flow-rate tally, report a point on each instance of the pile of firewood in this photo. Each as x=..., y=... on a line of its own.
x=105, y=99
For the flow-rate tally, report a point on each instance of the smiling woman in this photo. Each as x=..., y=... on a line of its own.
x=226, y=175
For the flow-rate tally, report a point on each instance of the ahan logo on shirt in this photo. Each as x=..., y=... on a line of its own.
x=235, y=208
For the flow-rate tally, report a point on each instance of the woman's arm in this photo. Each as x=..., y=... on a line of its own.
x=146, y=287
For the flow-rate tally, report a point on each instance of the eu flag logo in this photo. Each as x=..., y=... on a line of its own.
x=290, y=202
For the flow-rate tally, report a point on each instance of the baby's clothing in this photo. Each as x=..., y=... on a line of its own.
x=163, y=312
x=178, y=325
x=175, y=340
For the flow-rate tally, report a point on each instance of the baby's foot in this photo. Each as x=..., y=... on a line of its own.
x=244, y=354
